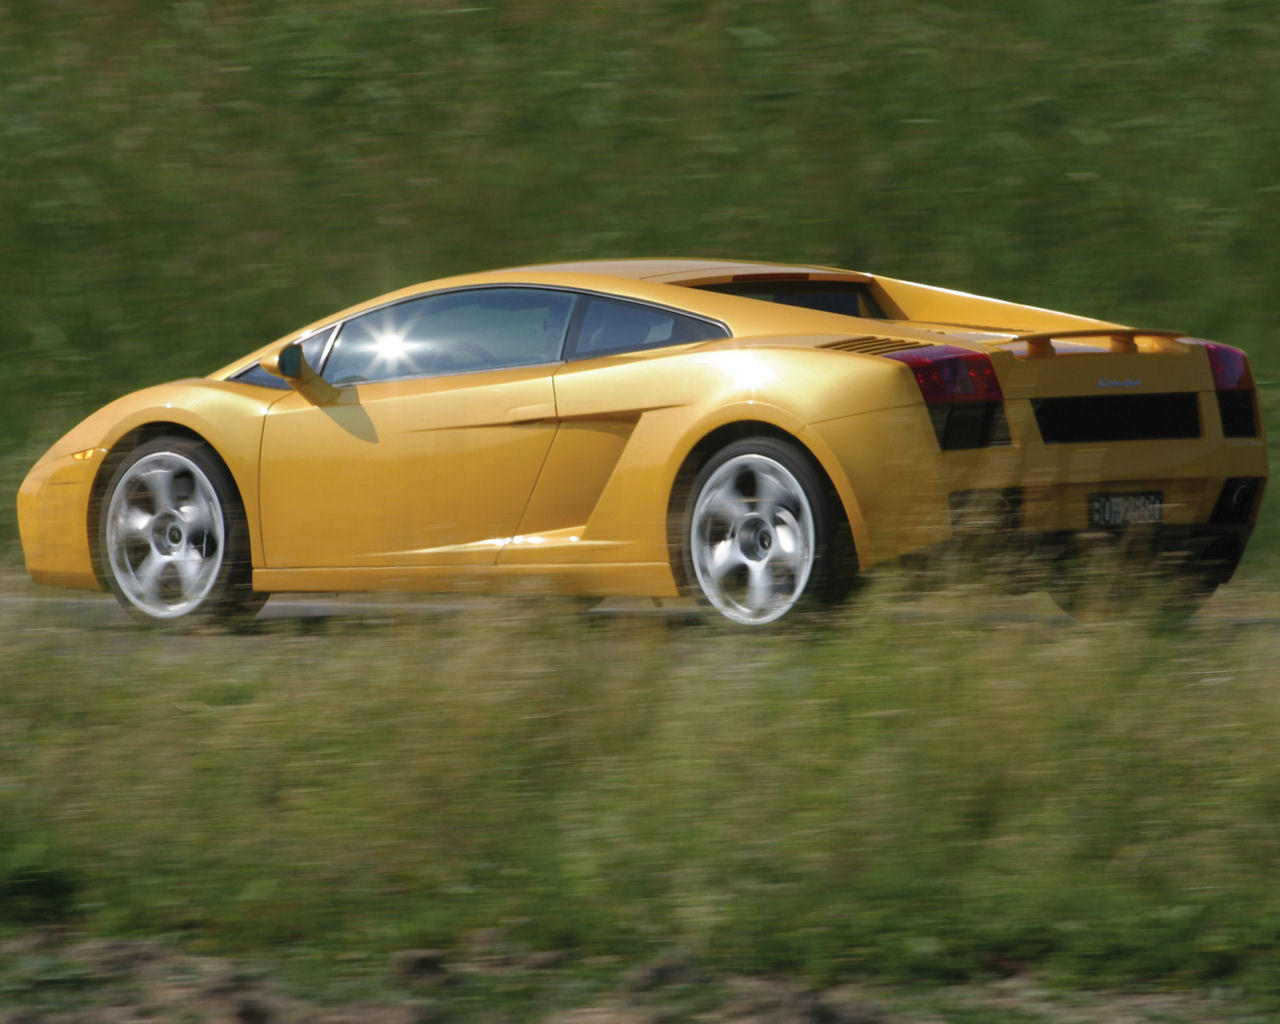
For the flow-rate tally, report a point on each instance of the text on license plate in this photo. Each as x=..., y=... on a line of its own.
x=1123, y=508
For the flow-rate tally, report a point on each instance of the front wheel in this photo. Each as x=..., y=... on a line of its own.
x=759, y=531
x=172, y=535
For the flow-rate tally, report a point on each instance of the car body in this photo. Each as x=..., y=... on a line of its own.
x=753, y=434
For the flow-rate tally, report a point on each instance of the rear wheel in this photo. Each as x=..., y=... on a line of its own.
x=759, y=531
x=172, y=536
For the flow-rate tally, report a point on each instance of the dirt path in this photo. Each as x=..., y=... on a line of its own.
x=55, y=978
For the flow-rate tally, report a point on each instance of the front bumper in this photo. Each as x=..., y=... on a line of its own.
x=53, y=519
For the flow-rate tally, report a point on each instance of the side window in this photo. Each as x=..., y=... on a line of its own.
x=313, y=347
x=452, y=332
x=616, y=325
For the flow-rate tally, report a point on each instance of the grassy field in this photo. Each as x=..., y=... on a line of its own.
x=182, y=181
x=923, y=790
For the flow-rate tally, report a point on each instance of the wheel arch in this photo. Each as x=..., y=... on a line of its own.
x=712, y=442
x=117, y=453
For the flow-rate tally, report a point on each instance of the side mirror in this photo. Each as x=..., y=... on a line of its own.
x=286, y=363
x=290, y=362
x=292, y=365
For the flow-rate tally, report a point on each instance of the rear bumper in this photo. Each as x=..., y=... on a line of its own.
x=898, y=485
x=1201, y=554
x=1208, y=554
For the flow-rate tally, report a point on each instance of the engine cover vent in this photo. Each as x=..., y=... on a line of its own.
x=872, y=345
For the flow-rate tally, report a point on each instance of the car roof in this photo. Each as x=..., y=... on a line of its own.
x=645, y=279
x=670, y=270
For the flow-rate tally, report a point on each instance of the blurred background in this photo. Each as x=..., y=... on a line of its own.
x=183, y=181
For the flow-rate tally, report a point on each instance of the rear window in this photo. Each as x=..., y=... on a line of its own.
x=847, y=298
x=611, y=325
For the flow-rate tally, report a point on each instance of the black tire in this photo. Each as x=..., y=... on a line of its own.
x=173, y=542
x=759, y=533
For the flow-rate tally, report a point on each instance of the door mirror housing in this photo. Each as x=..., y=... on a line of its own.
x=287, y=363
x=290, y=361
x=292, y=365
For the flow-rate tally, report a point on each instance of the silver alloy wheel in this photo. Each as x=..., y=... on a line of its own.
x=165, y=535
x=751, y=539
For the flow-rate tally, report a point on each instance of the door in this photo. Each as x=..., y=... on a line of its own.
x=427, y=456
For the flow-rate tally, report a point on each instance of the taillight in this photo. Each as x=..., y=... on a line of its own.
x=966, y=405
x=1230, y=367
x=1233, y=381
x=947, y=374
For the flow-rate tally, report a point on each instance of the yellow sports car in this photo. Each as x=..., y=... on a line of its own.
x=751, y=434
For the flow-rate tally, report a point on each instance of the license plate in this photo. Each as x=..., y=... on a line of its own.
x=1124, y=508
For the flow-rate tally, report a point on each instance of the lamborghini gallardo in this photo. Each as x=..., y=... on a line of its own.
x=755, y=436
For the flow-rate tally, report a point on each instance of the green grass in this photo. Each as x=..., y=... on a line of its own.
x=927, y=793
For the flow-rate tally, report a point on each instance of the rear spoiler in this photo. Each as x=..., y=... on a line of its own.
x=1123, y=339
